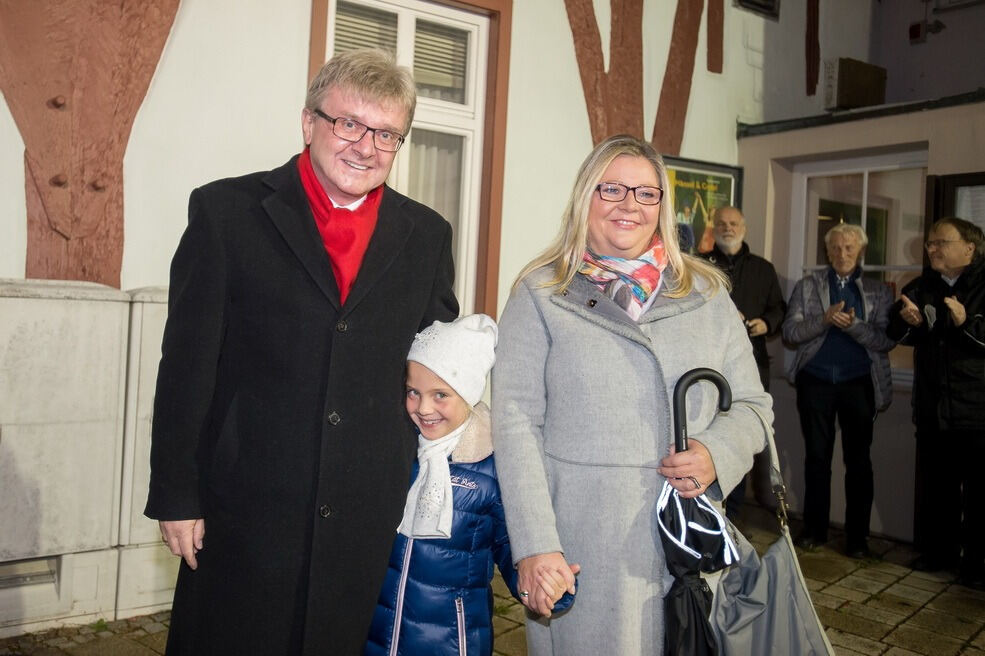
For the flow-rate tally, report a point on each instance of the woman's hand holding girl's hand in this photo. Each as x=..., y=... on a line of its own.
x=545, y=578
x=689, y=472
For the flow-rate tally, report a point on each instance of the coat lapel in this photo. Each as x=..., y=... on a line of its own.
x=393, y=228
x=288, y=208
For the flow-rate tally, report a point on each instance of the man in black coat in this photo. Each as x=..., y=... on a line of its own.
x=941, y=315
x=756, y=293
x=281, y=451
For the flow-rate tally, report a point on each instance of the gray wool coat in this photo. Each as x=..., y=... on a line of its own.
x=582, y=417
x=804, y=328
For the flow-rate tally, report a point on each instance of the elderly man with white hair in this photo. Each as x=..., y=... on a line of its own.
x=837, y=320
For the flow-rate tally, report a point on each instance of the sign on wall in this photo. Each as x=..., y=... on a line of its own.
x=698, y=189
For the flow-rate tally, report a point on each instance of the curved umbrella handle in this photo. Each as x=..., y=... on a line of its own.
x=680, y=398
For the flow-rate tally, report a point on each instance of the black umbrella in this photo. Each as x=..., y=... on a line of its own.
x=694, y=538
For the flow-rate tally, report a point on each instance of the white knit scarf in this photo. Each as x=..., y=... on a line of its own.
x=428, y=511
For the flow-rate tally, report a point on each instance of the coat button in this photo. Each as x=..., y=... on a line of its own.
x=592, y=302
x=325, y=510
x=334, y=419
x=341, y=326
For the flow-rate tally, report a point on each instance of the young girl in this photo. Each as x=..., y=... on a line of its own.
x=436, y=597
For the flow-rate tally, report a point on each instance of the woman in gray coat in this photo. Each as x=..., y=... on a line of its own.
x=596, y=333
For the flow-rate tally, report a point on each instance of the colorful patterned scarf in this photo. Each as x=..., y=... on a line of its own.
x=628, y=282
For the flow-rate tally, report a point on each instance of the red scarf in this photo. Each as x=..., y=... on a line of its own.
x=344, y=233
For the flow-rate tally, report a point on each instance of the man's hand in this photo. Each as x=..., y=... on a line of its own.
x=756, y=327
x=910, y=313
x=185, y=538
x=958, y=314
x=835, y=317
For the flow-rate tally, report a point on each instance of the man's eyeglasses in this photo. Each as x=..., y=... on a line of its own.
x=352, y=130
x=615, y=192
x=939, y=243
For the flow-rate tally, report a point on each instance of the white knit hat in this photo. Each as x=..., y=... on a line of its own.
x=461, y=353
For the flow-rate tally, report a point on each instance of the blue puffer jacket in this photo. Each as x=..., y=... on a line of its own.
x=437, y=592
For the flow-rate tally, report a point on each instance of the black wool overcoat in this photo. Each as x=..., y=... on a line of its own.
x=279, y=414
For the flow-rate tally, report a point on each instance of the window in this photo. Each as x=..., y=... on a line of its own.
x=441, y=163
x=886, y=196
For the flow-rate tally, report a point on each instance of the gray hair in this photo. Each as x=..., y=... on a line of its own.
x=846, y=229
x=367, y=72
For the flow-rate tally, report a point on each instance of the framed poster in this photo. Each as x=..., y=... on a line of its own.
x=697, y=189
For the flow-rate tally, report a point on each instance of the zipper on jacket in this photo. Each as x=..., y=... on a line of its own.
x=460, y=615
x=401, y=589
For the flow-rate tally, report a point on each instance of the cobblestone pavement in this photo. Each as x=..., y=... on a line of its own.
x=876, y=606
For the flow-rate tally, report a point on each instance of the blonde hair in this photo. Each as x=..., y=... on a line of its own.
x=567, y=250
x=367, y=72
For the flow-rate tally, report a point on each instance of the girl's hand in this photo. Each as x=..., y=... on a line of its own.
x=689, y=472
x=537, y=576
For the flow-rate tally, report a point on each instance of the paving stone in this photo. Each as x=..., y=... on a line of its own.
x=826, y=600
x=155, y=641
x=82, y=639
x=60, y=641
x=923, y=642
x=877, y=575
x=893, y=604
x=888, y=568
x=909, y=592
x=105, y=634
x=931, y=585
x=857, y=644
x=515, y=612
x=825, y=566
x=843, y=651
x=853, y=624
x=979, y=641
x=502, y=624
x=115, y=646
x=511, y=643
x=941, y=577
x=165, y=615
x=813, y=584
x=899, y=651
x=959, y=604
x=873, y=613
x=944, y=623
x=862, y=584
x=154, y=627
x=971, y=651
x=839, y=590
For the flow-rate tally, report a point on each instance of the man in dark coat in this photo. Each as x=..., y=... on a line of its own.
x=757, y=295
x=941, y=315
x=281, y=451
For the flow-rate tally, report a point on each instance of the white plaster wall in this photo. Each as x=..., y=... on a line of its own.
x=946, y=64
x=225, y=100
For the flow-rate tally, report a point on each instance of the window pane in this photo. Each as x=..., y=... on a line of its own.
x=436, y=172
x=357, y=26
x=441, y=54
x=830, y=200
x=896, y=200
